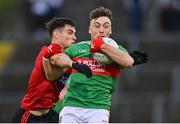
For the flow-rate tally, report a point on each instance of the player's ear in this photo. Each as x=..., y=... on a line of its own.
x=89, y=29
x=110, y=31
x=90, y=26
x=55, y=34
x=89, y=32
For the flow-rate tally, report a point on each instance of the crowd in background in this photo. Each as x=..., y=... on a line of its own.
x=37, y=12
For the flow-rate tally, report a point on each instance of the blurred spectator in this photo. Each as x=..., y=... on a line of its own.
x=6, y=5
x=40, y=12
x=169, y=15
x=105, y=3
x=6, y=12
x=136, y=10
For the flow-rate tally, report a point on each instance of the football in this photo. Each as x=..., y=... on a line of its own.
x=102, y=58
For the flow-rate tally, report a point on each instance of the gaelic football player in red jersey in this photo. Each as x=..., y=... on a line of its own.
x=44, y=87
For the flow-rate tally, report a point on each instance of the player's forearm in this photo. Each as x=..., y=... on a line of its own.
x=64, y=61
x=51, y=72
x=53, y=77
x=61, y=60
x=118, y=56
x=47, y=68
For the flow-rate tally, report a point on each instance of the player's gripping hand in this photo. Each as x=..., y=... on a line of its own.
x=96, y=45
x=139, y=57
x=82, y=68
x=51, y=50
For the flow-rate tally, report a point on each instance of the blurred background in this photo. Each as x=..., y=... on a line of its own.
x=148, y=93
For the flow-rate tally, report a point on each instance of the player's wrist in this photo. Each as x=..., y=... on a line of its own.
x=70, y=64
x=82, y=68
x=74, y=65
x=96, y=44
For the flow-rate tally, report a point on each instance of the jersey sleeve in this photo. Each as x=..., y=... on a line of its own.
x=122, y=48
x=69, y=51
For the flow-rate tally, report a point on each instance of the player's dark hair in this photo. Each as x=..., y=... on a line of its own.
x=58, y=23
x=100, y=11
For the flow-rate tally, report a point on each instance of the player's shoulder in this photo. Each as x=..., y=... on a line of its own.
x=83, y=42
x=78, y=45
x=121, y=47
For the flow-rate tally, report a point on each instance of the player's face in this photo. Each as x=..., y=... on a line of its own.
x=67, y=36
x=100, y=27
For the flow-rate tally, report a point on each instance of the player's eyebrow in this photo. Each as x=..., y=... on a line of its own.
x=103, y=24
x=71, y=31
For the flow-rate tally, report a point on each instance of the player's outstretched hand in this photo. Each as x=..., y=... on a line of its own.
x=82, y=68
x=139, y=57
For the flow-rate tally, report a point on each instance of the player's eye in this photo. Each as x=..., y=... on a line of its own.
x=70, y=32
x=107, y=25
x=97, y=25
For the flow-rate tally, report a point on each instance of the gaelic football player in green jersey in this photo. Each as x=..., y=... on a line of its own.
x=88, y=100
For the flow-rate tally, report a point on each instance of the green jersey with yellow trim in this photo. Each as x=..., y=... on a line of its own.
x=94, y=92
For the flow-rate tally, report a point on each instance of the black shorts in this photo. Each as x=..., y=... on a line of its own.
x=23, y=116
